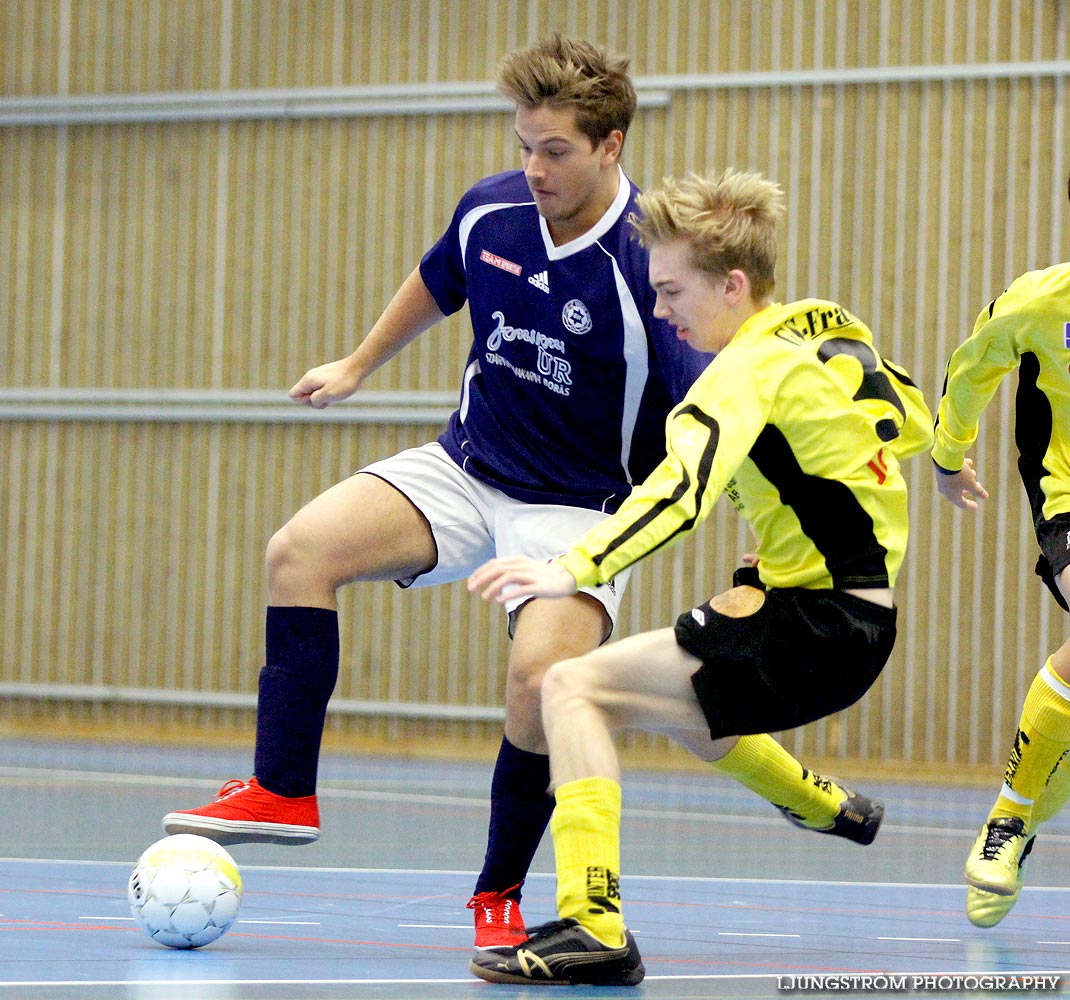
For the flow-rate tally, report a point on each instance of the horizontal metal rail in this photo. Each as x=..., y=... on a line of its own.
x=291, y=103
x=248, y=406
x=461, y=97
x=832, y=76
x=106, y=694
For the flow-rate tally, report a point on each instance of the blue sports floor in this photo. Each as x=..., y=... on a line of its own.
x=724, y=897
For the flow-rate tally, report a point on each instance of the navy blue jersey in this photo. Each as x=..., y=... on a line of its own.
x=570, y=376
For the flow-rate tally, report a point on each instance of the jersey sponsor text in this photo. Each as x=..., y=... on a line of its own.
x=502, y=332
x=506, y=265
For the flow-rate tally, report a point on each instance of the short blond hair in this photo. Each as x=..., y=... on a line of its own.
x=728, y=219
x=574, y=74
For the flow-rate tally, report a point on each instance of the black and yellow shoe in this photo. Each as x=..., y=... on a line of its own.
x=994, y=862
x=858, y=818
x=562, y=953
x=986, y=909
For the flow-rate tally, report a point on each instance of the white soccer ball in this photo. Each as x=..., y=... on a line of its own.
x=185, y=891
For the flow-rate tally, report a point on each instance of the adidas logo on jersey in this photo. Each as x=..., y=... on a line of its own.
x=541, y=281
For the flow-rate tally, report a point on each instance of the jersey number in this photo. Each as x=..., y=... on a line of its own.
x=875, y=384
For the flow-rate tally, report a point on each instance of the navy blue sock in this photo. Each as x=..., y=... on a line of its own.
x=295, y=686
x=520, y=808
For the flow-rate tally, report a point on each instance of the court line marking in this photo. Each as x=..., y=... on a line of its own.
x=470, y=980
x=439, y=927
x=744, y=934
x=279, y=923
x=923, y=939
x=696, y=879
x=652, y=878
x=481, y=802
x=170, y=781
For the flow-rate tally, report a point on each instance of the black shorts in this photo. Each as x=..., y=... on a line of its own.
x=803, y=655
x=1053, y=537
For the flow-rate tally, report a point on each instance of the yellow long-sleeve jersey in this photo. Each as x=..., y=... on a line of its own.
x=1028, y=326
x=803, y=424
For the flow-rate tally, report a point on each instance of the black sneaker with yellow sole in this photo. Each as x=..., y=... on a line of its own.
x=562, y=953
x=858, y=819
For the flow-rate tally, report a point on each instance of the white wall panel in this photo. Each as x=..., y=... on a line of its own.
x=923, y=148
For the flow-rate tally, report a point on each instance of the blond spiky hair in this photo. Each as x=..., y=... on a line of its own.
x=569, y=73
x=729, y=220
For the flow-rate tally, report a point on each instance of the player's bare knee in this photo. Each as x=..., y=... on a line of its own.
x=294, y=566
x=1060, y=659
x=553, y=684
x=1060, y=662
x=281, y=554
x=564, y=682
x=1062, y=581
x=739, y=602
x=275, y=554
x=527, y=667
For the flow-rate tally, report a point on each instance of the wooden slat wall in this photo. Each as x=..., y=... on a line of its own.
x=232, y=255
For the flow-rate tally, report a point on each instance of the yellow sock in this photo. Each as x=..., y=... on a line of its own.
x=1042, y=739
x=764, y=766
x=586, y=831
x=1056, y=793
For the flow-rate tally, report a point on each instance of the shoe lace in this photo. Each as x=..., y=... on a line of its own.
x=232, y=787
x=998, y=838
x=497, y=907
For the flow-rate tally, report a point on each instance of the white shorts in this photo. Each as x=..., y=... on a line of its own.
x=472, y=522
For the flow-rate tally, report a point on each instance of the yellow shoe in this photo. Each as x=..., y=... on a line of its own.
x=986, y=909
x=995, y=859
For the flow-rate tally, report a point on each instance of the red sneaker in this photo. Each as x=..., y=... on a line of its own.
x=498, y=920
x=245, y=812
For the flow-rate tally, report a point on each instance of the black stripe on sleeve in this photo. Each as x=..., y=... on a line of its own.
x=701, y=481
x=1033, y=426
x=901, y=376
x=829, y=513
x=943, y=392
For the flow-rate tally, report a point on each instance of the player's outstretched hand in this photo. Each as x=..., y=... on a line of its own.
x=962, y=487
x=502, y=579
x=326, y=384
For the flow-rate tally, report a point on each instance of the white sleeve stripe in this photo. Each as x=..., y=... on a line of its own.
x=469, y=373
x=464, y=230
x=636, y=361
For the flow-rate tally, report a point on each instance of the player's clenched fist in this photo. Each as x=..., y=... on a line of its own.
x=326, y=384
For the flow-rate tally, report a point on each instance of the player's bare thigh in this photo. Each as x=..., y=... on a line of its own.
x=642, y=682
x=360, y=529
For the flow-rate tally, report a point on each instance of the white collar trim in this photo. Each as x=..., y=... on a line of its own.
x=598, y=230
